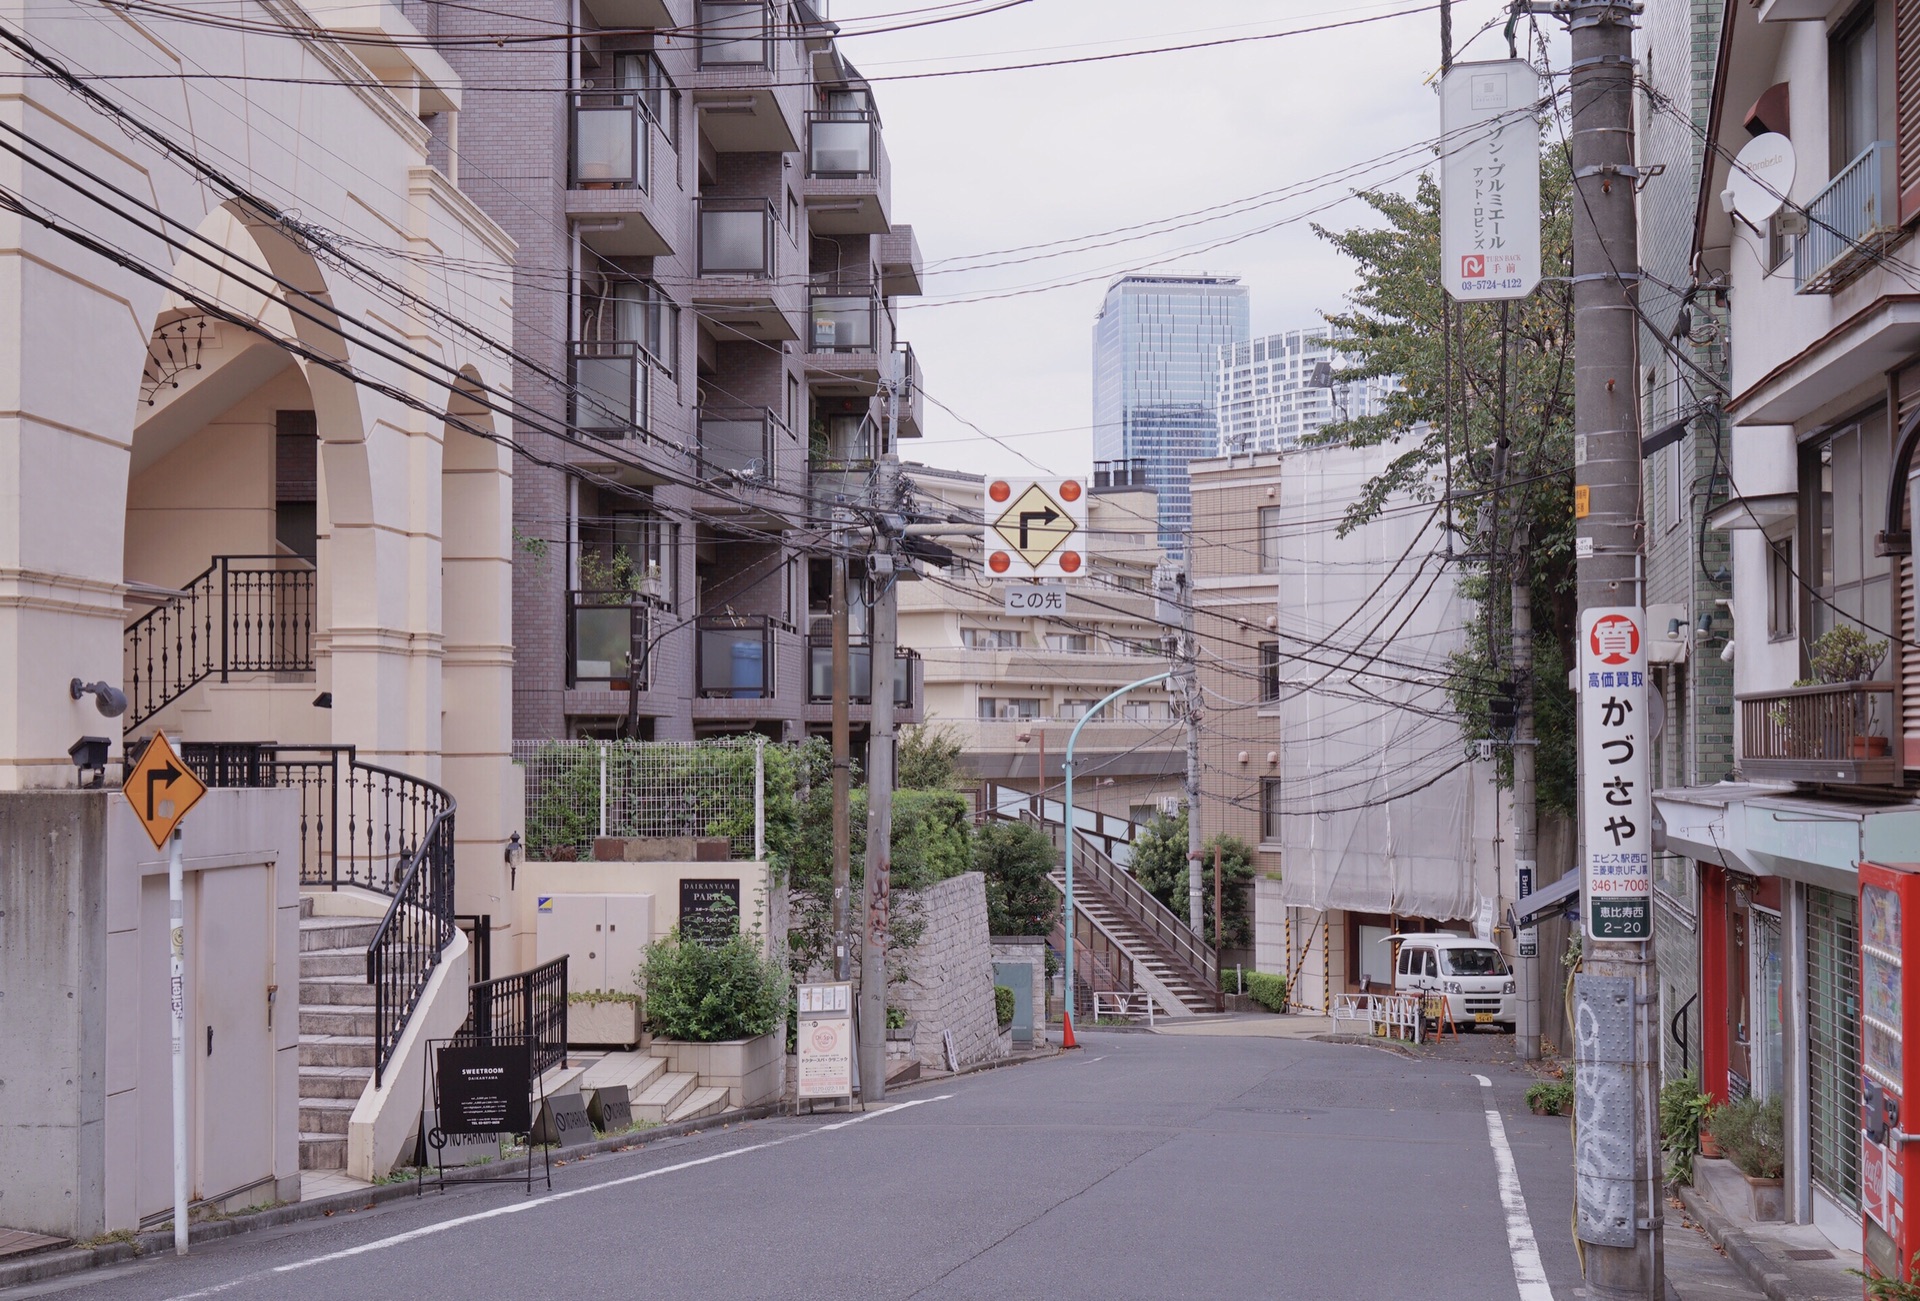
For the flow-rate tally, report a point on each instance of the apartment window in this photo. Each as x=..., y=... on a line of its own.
x=1009, y=707
x=793, y=217
x=1269, y=539
x=990, y=639
x=1141, y=711
x=1269, y=672
x=1677, y=485
x=1069, y=641
x=1782, y=591
x=1844, y=495
x=1270, y=810
x=1853, y=82
x=793, y=401
x=1071, y=710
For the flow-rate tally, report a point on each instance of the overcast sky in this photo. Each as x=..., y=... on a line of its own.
x=1003, y=159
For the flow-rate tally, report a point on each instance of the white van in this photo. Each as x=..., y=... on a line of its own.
x=1472, y=974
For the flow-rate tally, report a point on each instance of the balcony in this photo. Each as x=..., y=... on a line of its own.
x=624, y=14
x=611, y=393
x=611, y=139
x=606, y=641
x=1838, y=733
x=745, y=105
x=734, y=659
x=615, y=135
x=848, y=336
x=737, y=444
x=1850, y=224
x=740, y=294
x=849, y=179
x=913, y=398
x=898, y=254
x=859, y=672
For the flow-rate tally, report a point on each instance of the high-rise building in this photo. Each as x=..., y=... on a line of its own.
x=1155, y=345
x=1270, y=393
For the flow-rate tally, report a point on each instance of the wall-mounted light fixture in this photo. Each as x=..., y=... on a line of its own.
x=514, y=853
x=324, y=700
x=89, y=754
x=111, y=701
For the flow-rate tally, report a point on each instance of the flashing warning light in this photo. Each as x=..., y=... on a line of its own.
x=1070, y=562
x=999, y=490
x=998, y=562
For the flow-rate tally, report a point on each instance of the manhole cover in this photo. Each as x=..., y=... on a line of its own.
x=1809, y=1253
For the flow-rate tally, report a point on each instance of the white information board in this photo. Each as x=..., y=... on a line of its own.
x=1490, y=180
x=824, y=1041
x=1616, y=808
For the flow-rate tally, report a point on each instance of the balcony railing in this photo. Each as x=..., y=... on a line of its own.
x=1838, y=733
x=852, y=443
x=242, y=614
x=1849, y=224
x=736, y=444
x=611, y=140
x=841, y=320
x=842, y=144
x=735, y=660
x=606, y=641
x=611, y=393
x=735, y=34
x=528, y=1007
x=859, y=672
x=736, y=238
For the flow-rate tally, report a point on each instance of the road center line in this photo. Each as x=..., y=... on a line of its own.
x=1528, y=1273
x=515, y=1208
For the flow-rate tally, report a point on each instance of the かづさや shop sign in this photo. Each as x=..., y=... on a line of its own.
x=1616, y=810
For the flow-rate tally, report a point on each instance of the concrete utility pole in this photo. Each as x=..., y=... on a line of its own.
x=1526, y=833
x=883, y=571
x=1189, y=678
x=842, y=774
x=1617, y=1156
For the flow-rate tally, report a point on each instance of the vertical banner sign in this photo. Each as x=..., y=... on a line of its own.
x=1528, y=940
x=1490, y=180
x=1616, y=813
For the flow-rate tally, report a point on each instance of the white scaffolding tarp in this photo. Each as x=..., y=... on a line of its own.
x=1378, y=805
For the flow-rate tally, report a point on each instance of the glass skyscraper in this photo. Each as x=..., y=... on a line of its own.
x=1155, y=346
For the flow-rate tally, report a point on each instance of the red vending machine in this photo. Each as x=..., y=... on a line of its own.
x=1889, y=1153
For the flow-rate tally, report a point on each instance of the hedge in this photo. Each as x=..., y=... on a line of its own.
x=1268, y=990
x=1003, y=1005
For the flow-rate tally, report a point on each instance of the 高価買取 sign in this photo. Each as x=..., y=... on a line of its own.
x=1615, y=805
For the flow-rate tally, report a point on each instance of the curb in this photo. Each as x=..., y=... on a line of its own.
x=1746, y=1254
x=73, y=1260
x=1385, y=1045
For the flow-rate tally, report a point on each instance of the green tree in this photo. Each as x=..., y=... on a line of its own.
x=928, y=759
x=1160, y=864
x=1393, y=322
x=1016, y=857
x=932, y=837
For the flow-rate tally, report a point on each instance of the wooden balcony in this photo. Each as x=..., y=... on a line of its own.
x=1839, y=734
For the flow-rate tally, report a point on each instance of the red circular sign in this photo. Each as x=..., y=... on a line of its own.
x=999, y=490
x=1070, y=490
x=998, y=562
x=824, y=1038
x=1069, y=562
x=1614, y=638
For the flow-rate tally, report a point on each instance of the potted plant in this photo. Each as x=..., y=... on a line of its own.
x=1844, y=654
x=1753, y=1134
x=1682, y=1109
x=604, y=1016
x=716, y=1011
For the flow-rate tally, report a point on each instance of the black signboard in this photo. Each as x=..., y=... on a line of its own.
x=485, y=1089
x=563, y=1120
x=709, y=910
x=610, y=1109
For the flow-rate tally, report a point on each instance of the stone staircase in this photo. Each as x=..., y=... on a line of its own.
x=336, y=1032
x=1138, y=944
x=655, y=1094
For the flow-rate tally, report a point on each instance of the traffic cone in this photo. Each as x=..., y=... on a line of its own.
x=1066, y=1033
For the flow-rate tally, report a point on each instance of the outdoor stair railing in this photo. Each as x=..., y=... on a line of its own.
x=367, y=826
x=241, y=614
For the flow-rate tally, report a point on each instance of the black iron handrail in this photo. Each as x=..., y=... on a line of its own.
x=529, y=1005
x=411, y=937
x=241, y=614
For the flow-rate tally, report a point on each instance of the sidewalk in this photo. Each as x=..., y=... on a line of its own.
x=1261, y=1025
x=1784, y=1262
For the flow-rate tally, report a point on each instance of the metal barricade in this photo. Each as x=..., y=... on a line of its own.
x=1134, y=1006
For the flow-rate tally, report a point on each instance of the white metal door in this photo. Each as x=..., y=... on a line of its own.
x=229, y=1046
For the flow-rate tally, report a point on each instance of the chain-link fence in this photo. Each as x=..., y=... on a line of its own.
x=577, y=790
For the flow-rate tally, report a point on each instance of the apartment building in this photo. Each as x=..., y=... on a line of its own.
x=1155, y=343
x=257, y=499
x=1800, y=952
x=1270, y=393
x=704, y=331
x=1013, y=686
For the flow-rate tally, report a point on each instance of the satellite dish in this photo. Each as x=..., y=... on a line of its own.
x=1762, y=175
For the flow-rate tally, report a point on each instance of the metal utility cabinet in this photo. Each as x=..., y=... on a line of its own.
x=603, y=937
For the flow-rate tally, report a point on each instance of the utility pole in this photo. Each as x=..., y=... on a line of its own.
x=1617, y=1174
x=1525, y=810
x=883, y=573
x=842, y=773
x=1189, y=677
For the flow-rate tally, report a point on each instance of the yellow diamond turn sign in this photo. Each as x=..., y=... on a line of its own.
x=161, y=789
x=1035, y=525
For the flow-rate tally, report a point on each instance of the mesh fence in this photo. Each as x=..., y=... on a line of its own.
x=577, y=790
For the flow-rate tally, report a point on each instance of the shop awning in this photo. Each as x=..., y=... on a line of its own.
x=1547, y=900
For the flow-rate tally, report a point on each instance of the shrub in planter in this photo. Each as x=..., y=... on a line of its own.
x=710, y=993
x=1551, y=1098
x=1003, y=1005
x=1268, y=990
x=1682, y=1108
x=1753, y=1135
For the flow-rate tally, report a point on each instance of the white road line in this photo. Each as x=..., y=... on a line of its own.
x=515, y=1208
x=1528, y=1273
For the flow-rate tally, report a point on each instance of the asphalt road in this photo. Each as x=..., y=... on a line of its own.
x=1141, y=1166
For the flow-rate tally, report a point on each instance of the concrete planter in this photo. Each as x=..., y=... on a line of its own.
x=749, y=1069
x=1767, y=1199
x=903, y=1034
x=612, y=1022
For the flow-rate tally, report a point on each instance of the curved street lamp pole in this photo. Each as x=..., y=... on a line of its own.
x=1067, y=819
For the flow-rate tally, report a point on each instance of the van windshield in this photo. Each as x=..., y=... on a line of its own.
x=1473, y=962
